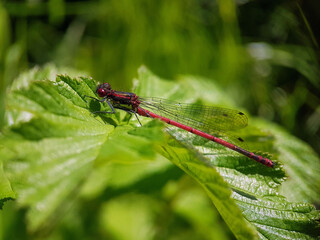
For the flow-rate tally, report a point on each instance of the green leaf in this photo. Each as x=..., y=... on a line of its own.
x=300, y=162
x=215, y=186
x=52, y=140
x=52, y=149
x=6, y=192
x=55, y=150
x=255, y=187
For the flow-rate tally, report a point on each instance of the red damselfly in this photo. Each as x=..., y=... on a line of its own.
x=197, y=119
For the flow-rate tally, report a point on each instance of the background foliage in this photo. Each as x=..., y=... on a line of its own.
x=263, y=54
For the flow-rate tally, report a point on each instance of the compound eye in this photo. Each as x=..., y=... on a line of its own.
x=101, y=92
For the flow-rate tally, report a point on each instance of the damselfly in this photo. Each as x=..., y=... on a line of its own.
x=197, y=119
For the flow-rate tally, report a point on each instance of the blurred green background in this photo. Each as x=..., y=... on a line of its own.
x=263, y=53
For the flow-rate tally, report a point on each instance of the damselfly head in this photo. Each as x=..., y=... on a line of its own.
x=103, y=89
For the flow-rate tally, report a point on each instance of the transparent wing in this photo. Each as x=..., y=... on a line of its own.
x=208, y=119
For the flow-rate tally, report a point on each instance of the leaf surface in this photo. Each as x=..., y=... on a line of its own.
x=54, y=150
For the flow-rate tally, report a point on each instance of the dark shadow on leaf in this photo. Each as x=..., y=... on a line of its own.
x=147, y=185
x=95, y=106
